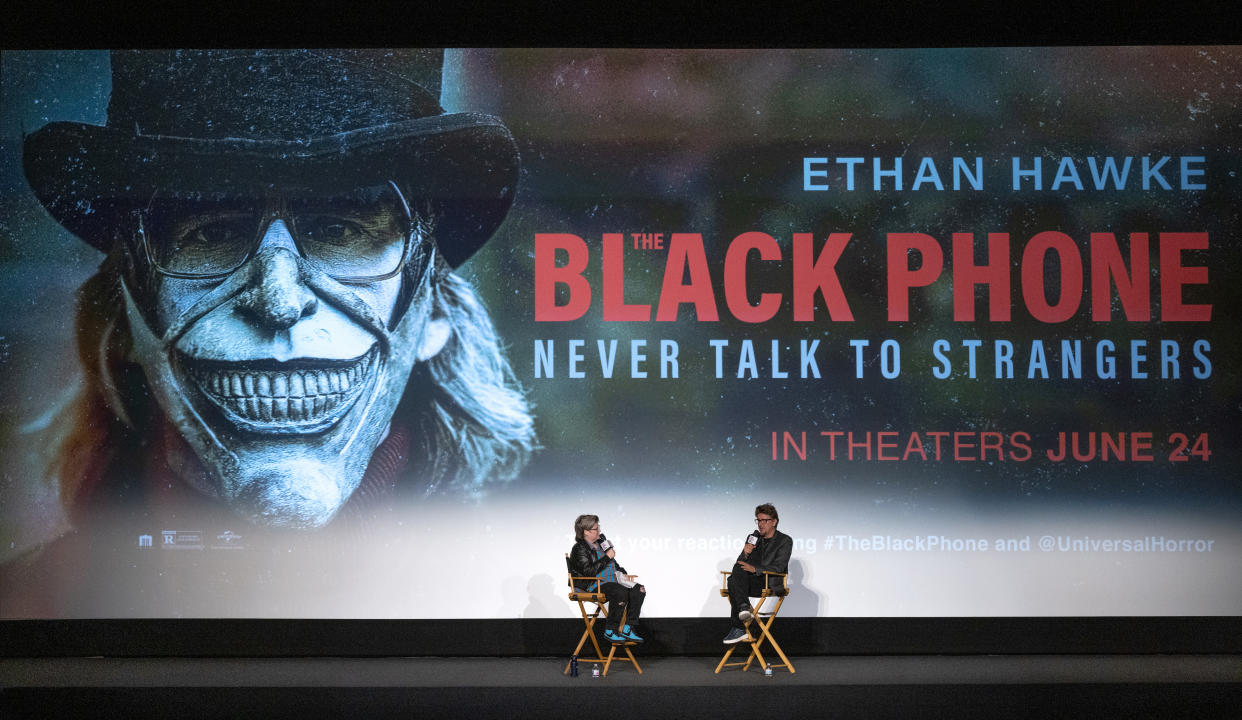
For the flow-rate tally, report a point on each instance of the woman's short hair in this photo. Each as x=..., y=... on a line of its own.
x=584, y=523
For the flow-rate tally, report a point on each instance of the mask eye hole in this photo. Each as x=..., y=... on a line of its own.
x=191, y=238
x=358, y=236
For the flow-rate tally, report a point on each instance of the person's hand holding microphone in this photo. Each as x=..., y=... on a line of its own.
x=606, y=546
x=751, y=541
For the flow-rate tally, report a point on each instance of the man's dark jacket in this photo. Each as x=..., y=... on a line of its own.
x=770, y=555
x=583, y=561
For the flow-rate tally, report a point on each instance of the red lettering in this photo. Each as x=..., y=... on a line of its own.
x=548, y=275
x=1033, y=290
x=1173, y=276
x=685, y=253
x=615, y=309
x=991, y=441
x=994, y=274
x=832, y=436
x=820, y=275
x=914, y=445
x=1133, y=288
x=1021, y=451
x=735, y=277
x=901, y=277
x=886, y=441
x=961, y=444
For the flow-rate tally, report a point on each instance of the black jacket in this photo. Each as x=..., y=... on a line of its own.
x=770, y=554
x=584, y=562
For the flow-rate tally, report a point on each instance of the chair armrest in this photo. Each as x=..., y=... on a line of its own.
x=587, y=580
x=768, y=575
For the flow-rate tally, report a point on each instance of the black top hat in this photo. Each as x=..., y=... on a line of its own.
x=237, y=121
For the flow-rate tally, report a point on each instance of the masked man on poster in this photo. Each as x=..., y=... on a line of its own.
x=593, y=555
x=769, y=552
x=276, y=331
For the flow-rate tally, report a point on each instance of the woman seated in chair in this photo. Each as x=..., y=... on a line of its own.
x=593, y=556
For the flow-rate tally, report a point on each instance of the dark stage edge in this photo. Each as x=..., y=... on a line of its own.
x=1101, y=686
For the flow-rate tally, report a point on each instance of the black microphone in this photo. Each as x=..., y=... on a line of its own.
x=753, y=538
x=604, y=544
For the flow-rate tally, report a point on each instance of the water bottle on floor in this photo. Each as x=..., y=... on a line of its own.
x=767, y=671
x=595, y=671
x=573, y=666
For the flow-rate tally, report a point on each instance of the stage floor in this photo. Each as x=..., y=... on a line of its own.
x=546, y=672
x=1198, y=686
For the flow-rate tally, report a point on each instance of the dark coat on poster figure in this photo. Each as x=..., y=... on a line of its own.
x=155, y=442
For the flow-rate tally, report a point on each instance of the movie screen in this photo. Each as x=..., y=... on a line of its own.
x=324, y=333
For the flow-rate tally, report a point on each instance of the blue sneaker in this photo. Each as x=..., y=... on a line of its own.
x=615, y=637
x=629, y=633
x=736, y=635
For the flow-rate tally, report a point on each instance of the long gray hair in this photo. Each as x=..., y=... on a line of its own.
x=476, y=421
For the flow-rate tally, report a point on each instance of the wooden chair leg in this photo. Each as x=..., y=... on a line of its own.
x=625, y=646
x=754, y=653
x=633, y=660
x=608, y=663
x=765, y=633
x=589, y=619
x=776, y=646
x=757, y=640
x=724, y=661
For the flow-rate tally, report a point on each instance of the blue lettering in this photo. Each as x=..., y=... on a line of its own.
x=1110, y=169
x=960, y=170
x=1204, y=371
x=808, y=172
x=849, y=163
x=1033, y=173
x=927, y=173
x=1188, y=172
x=880, y=173
x=1066, y=172
x=1071, y=359
x=1004, y=359
x=943, y=370
x=1137, y=358
x=1153, y=171
x=1039, y=361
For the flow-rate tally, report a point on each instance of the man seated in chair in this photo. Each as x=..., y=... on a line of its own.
x=594, y=556
x=770, y=553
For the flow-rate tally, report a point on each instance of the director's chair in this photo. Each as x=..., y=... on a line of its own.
x=765, y=607
x=582, y=597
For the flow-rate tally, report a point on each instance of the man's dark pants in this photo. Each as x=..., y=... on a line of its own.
x=742, y=587
x=619, y=597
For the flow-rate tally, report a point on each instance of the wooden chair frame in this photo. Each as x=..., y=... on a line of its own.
x=582, y=597
x=761, y=612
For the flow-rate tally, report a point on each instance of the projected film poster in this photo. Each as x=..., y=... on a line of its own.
x=332, y=333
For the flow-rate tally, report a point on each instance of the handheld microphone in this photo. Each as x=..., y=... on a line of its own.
x=753, y=538
x=604, y=544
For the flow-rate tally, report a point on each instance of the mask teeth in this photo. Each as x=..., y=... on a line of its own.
x=291, y=396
